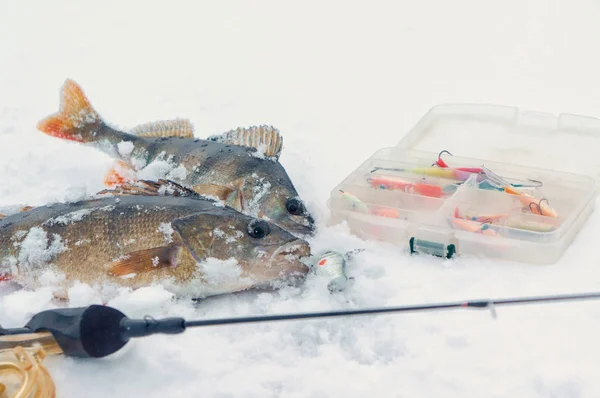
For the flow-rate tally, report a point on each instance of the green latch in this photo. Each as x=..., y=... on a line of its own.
x=432, y=248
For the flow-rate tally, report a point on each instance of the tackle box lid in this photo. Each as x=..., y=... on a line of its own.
x=564, y=143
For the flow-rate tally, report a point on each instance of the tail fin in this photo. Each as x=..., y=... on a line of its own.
x=75, y=113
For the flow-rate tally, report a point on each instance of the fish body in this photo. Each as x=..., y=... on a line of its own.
x=193, y=246
x=240, y=167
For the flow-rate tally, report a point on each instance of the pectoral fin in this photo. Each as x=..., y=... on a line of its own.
x=144, y=261
x=119, y=173
x=220, y=191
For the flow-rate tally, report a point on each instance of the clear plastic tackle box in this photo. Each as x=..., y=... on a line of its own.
x=512, y=185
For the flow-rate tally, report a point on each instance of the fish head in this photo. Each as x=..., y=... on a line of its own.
x=270, y=195
x=264, y=252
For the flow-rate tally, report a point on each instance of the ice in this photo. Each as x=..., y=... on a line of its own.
x=340, y=80
x=155, y=170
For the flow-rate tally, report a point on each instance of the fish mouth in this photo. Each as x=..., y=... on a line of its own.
x=305, y=227
x=288, y=256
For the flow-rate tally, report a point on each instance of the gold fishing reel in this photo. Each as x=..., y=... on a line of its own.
x=22, y=374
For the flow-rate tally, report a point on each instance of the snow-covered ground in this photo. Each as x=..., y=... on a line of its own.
x=340, y=80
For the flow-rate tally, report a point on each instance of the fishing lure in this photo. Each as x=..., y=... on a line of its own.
x=489, y=219
x=532, y=226
x=486, y=178
x=455, y=174
x=472, y=226
x=506, y=221
x=540, y=207
x=362, y=207
x=440, y=163
x=333, y=265
x=356, y=203
x=396, y=183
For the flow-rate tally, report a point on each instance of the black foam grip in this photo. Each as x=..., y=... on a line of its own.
x=83, y=332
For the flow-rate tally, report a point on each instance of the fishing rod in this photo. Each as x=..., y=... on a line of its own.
x=97, y=331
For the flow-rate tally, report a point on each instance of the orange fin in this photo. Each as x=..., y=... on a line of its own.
x=165, y=128
x=219, y=191
x=145, y=261
x=161, y=187
x=75, y=113
x=120, y=173
x=264, y=138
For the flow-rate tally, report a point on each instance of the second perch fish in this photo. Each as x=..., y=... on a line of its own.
x=240, y=167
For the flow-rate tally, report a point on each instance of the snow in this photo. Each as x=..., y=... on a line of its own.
x=125, y=148
x=340, y=80
x=216, y=271
x=38, y=249
x=69, y=218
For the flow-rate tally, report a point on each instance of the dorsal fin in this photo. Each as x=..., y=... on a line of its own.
x=265, y=139
x=161, y=187
x=165, y=128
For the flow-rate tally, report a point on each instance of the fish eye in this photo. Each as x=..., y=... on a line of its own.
x=294, y=206
x=258, y=229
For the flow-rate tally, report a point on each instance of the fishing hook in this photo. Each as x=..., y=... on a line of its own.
x=385, y=168
x=537, y=182
x=538, y=205
x=440, y=162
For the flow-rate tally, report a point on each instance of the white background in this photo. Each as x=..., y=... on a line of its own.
x=340, y=80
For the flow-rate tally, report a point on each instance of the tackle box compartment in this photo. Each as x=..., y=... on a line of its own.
x=513, y=185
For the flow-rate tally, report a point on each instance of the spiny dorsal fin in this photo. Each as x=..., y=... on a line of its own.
x=144, y=261
x=213, y=190
x=161, y=187
x=264, y=138
x=165, y=128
